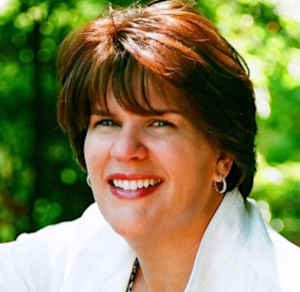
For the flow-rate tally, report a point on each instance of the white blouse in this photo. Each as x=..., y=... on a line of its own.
x=238, y=253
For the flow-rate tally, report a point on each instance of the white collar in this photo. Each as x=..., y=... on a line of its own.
x=235, y=253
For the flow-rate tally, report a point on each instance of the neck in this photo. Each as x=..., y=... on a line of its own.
x=166, y=259
x=169, y=272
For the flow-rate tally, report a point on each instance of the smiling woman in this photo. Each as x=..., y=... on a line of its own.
x=131, y=153
x=160, y=111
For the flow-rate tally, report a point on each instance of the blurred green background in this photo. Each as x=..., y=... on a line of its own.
x=40, y=182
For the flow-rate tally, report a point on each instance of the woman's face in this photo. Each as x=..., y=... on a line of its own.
x=123, y=150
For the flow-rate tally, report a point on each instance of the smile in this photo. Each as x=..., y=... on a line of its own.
x=135, y=184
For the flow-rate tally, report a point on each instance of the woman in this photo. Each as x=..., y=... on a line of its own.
x=160, y=111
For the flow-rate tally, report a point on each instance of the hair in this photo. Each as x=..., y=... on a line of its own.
x=165, y=42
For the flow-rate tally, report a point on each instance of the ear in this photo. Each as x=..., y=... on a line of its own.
x=223, y=166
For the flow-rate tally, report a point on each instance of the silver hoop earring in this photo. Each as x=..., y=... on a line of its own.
x=224, y=186
x=88, y=181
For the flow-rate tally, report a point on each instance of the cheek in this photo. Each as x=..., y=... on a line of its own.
x=95, y=151
x=188, y=160
x=175, y=159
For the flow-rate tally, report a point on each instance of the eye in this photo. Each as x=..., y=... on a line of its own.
x=107, y=123
x=162, y=124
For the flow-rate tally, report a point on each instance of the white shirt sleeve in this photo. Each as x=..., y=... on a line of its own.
x=40, y=261
x=11, y=277
x=36, y=262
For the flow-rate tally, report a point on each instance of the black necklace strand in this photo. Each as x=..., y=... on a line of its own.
x=132, y=275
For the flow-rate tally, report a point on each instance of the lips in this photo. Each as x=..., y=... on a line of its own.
x=130, y=194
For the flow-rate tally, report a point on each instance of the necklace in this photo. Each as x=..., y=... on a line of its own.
x=132, y=275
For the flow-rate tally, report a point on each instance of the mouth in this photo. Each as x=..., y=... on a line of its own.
x=133, y=185
x=133, y=188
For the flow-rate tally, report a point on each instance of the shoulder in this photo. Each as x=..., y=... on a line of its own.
x=45, y=254
x=287, y=257
x=272, y=256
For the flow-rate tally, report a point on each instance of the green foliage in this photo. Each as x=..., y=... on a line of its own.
x=40, y=182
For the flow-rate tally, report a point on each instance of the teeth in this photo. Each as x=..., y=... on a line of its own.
x=135, y=184
x=146, y=183
x=126, y=185
x=140, y=184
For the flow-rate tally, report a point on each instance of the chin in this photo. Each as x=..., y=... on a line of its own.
x=129, y=222
x=133, y=231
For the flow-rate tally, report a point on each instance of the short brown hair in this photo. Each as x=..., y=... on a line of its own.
x=169, y=41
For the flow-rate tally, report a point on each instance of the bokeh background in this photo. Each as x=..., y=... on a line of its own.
x=40, y=181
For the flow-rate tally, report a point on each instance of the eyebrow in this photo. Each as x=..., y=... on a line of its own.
x=159, y=112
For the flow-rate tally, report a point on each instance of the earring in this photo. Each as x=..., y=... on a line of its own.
x=88, y=181
x=224, y=186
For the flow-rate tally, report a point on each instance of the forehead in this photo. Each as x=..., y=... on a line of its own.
x=160, y=95
x=141, y=92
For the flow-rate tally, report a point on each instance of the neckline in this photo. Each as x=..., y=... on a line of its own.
x=132, y=276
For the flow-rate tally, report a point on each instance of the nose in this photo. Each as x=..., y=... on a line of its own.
x=128, y=146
